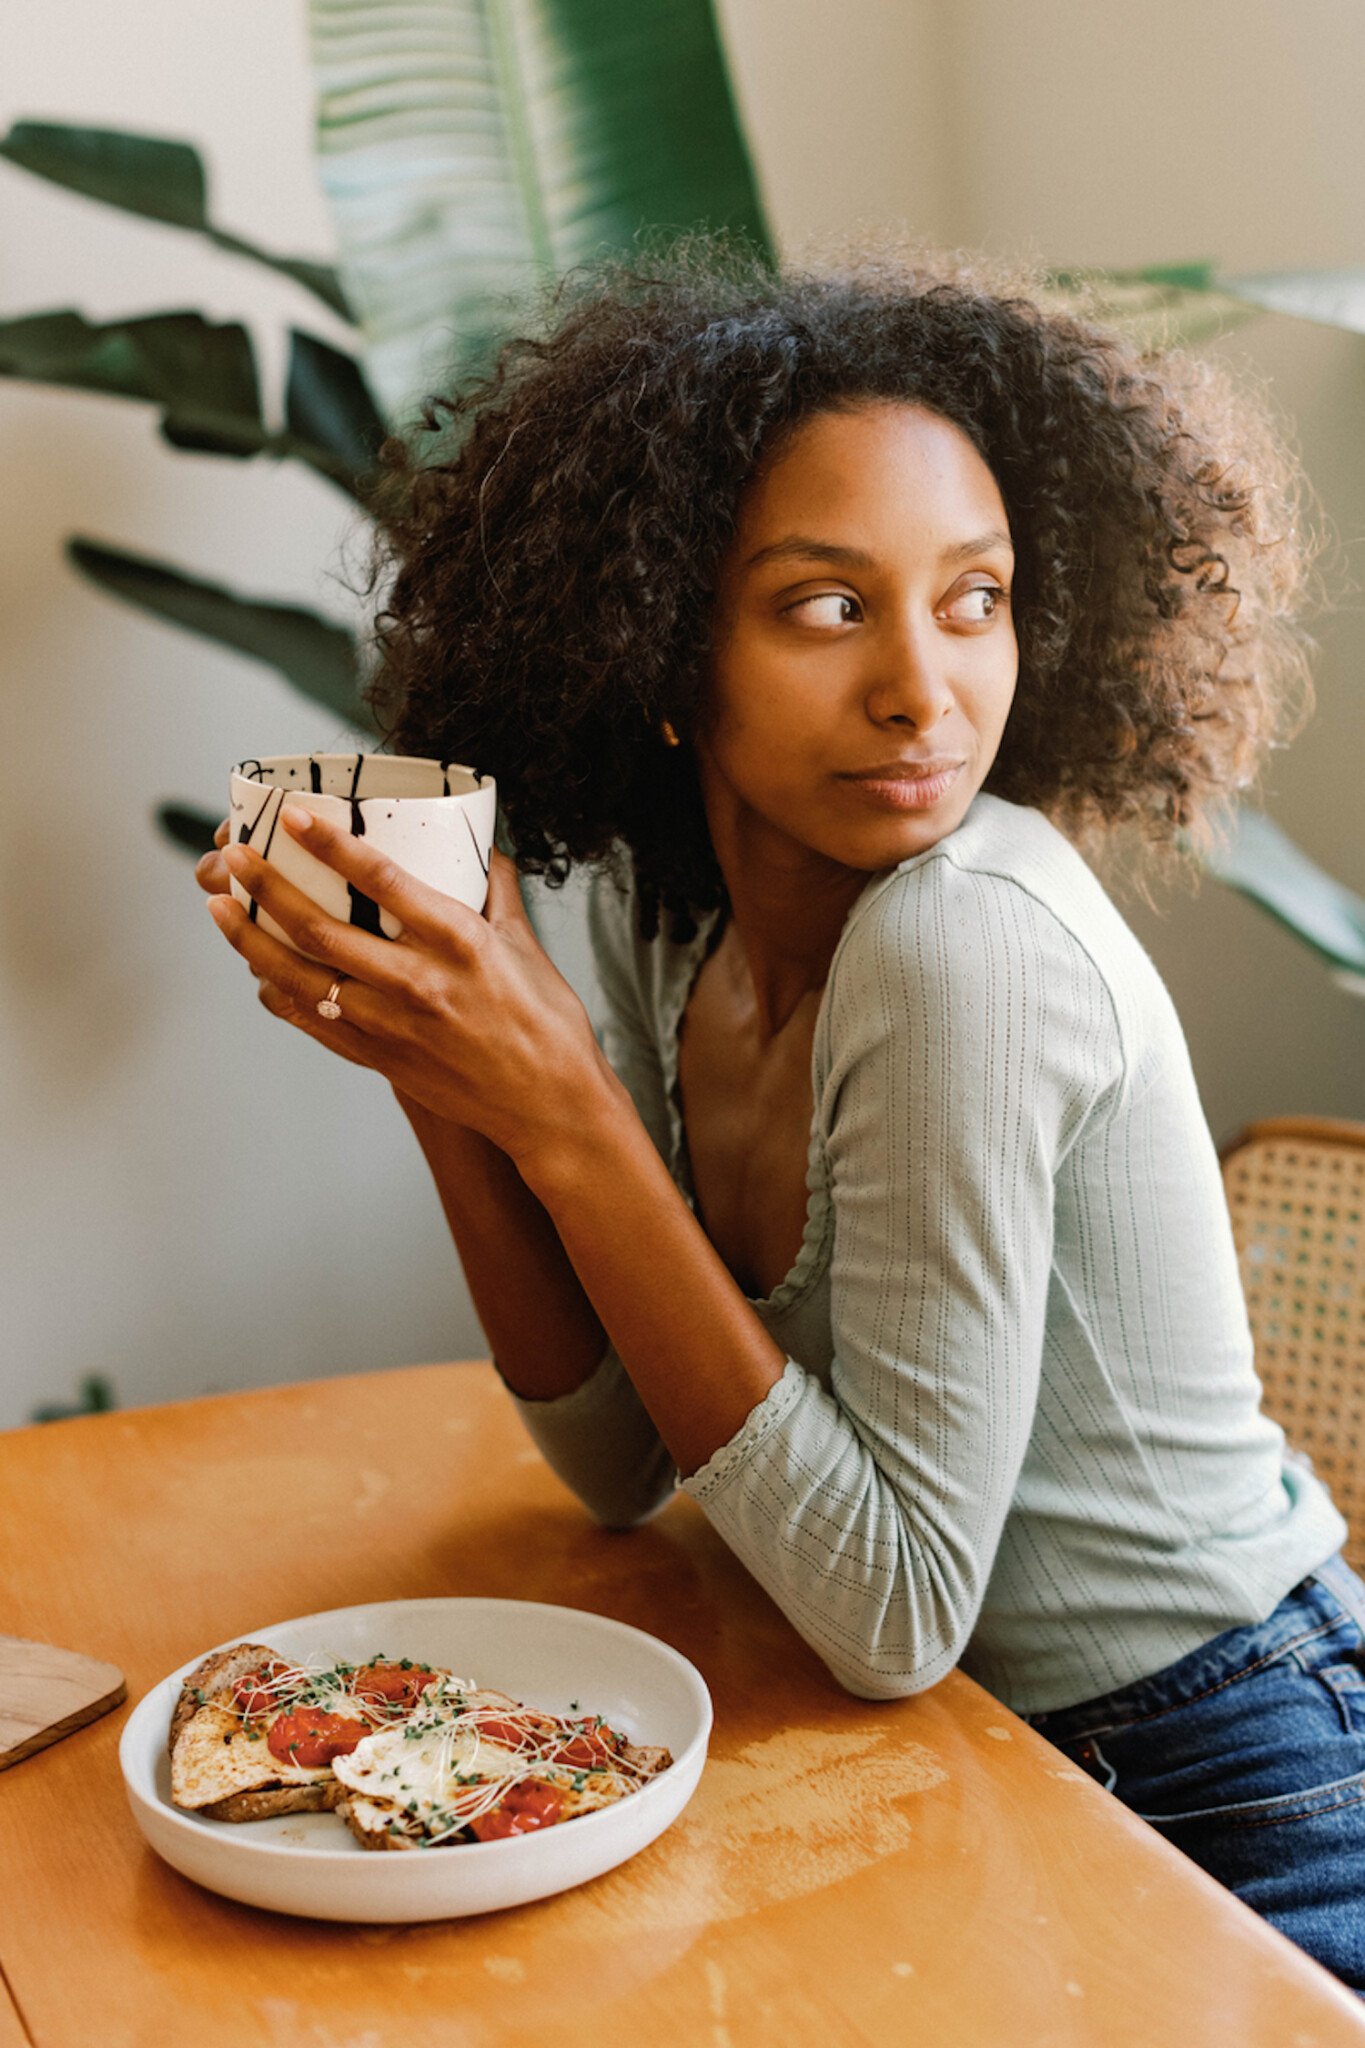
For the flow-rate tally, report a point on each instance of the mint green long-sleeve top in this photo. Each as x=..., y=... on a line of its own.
x=1019, y=1428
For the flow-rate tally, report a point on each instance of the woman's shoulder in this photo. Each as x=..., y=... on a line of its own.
x=1005, y=861
x=1007, y=845
x=653, y=975
x=1004, y=907
x=619, y=956
x=609, y=896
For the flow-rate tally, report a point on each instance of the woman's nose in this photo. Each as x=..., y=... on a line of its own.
x=909, y=682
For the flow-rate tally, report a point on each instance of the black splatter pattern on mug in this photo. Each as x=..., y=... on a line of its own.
x=364, y=911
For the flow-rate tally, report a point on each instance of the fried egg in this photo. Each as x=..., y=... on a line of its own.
x=427, y=1781
x=450, y=1762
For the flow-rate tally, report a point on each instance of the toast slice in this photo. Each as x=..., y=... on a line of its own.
x=222, y=1765
x=409, y=1756
x=473, y=1765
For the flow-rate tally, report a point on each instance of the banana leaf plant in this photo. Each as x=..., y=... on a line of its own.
x=203, y=380
x=543, y=142
x=470, y=152
x=1263, y=862
x=471, y=148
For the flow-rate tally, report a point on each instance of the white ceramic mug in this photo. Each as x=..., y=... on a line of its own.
x=433, y=818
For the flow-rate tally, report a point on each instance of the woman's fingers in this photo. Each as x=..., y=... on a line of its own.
x=335, y=1033
x=210, y=872
x=422, y=911
x=505, y=902
x=304, y=983
x=322, y=938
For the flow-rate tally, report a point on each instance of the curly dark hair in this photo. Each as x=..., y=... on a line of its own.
x=555, y=530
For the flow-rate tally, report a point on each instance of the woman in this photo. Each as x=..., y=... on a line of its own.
x=821, y=615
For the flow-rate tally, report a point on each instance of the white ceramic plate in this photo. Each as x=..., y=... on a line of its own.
x=550, y=1657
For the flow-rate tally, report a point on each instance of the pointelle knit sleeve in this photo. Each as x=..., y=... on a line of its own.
x=966, y=1042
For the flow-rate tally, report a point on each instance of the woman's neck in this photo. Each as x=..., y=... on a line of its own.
x=785, y=921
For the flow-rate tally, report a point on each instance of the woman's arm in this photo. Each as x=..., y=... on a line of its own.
x=601, y=1209
x=469, y=1019
x=686, y=1334
x=546, y=1337
x=967, y=1040
x=871, y=1511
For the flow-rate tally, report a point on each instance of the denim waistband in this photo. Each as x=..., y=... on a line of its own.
x=1321, y=1601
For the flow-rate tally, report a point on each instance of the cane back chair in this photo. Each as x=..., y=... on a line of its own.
x=1296, y=1193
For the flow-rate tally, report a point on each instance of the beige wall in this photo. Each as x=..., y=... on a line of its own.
x=193, y=1198
x=1231, y=131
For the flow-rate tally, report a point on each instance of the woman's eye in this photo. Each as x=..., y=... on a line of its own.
x=994, y=596
x=834, y=612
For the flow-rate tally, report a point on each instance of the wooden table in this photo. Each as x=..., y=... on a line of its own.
x=925, y=1871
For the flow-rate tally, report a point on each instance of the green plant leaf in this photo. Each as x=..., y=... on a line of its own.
x=155, y=177
x=204, y=379
x=330, y=410
x=1165, y=305
x=474, y=149
x=202, y=376
x=187, y=827
x=1264, y=863
x=1336, y=298
x=317, y=657
x=1187, y=303
x=96, y=1398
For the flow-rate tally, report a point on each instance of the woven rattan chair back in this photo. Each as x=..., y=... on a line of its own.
x=1296, y=1193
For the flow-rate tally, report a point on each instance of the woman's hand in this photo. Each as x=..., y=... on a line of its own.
x=210, y=872
x=465, y=1015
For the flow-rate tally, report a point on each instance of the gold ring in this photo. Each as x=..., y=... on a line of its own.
x=329, y=1007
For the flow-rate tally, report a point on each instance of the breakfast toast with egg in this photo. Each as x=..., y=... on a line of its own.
x=408, y=1756
x=253, y=1735
x=473, y=1765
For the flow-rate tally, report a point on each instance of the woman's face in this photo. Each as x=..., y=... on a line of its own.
x=864, y=658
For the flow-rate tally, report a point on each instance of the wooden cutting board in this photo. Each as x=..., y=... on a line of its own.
x=45, y=1693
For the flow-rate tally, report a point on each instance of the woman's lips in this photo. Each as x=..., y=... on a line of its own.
x=903, y=790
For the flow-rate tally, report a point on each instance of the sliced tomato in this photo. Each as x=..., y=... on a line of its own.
x=509, y=1733
x=531, y=1804
x=251, y=1695
x=390, y=1685
x=589, y=1748
x=311, y=1736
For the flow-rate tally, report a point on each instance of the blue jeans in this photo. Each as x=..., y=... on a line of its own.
x=1249, y=1755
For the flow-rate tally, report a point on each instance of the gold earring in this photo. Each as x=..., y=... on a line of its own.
x=670, y=738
